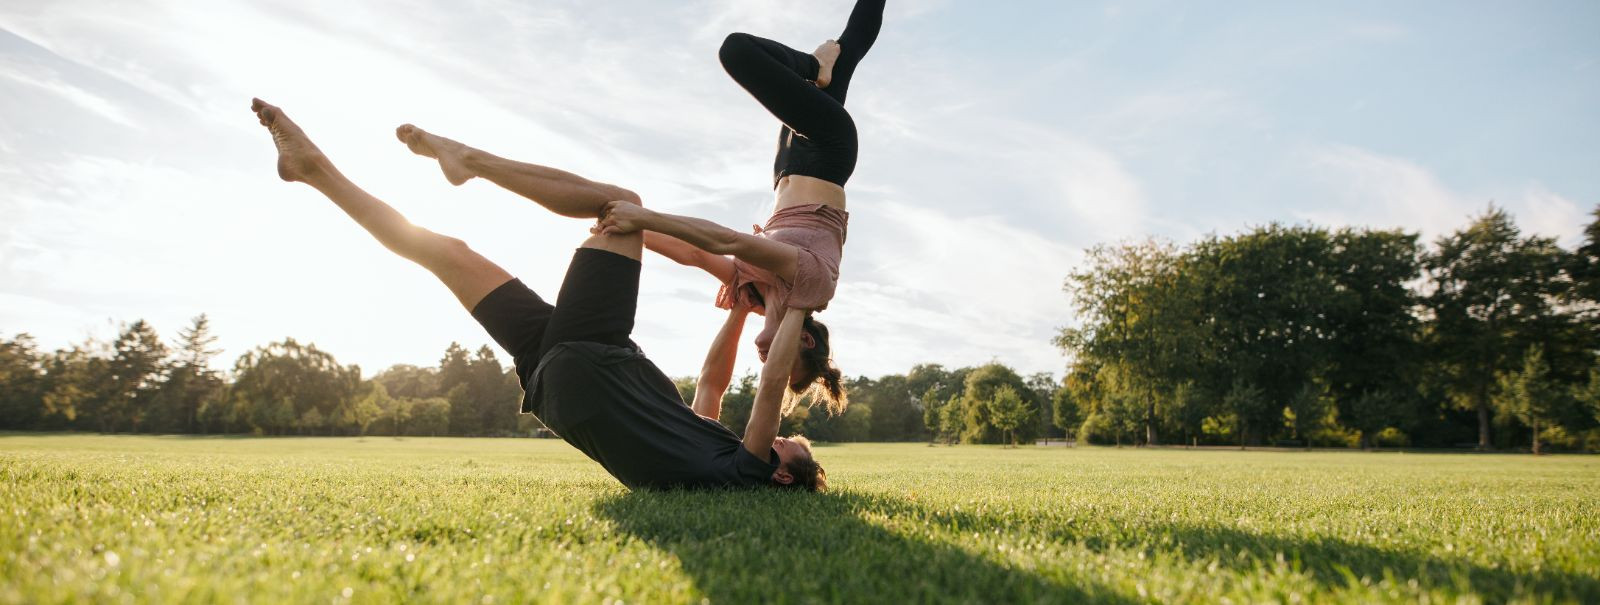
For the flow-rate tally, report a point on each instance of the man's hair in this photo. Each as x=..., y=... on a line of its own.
x=827, y=381
x=808, y=475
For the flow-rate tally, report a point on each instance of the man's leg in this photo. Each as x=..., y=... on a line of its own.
x=562, y=192
x=468, y=275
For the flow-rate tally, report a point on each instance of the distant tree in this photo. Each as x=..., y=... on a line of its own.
x=133, y=378
x=1491, y=287
x=1584, y=264
x=1530, y=395
x=952, y=420
x=1309, y=410
x=277, y=383
x=369, y=407
x=22, y=382
x=1009, y=412
x=737, y=402
x=1374, y=335
x=1245, y=402
x=978, y=423
x=1187, y=407
x=1373, y=411
x=1140, y=311
x=190, y=379
x=404, y=380
x=1064, y=411
x=74, y=379
x=686, y=385
x=429, y=417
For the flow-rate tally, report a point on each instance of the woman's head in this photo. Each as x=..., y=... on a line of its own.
x=814, y=372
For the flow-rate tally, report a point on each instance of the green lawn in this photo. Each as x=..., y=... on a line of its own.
x=162, y=519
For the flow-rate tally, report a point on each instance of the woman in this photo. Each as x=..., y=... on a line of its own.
x=792, y=264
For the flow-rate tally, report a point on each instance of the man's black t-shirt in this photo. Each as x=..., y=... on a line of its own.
x=617, y=407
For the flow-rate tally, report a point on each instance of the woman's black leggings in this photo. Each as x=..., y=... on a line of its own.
x=818, y=137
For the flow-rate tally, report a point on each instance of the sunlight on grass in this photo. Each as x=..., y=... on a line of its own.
x=160, y=519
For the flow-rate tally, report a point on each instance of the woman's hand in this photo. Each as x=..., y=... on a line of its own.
x=621, y=217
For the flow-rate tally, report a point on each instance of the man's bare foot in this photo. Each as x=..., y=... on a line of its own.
x=826, y=55
x=451, y=155
x=298, y=158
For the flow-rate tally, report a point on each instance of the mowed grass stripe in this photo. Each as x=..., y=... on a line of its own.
x=162, y=519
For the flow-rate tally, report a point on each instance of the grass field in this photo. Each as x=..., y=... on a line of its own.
x=162, y=519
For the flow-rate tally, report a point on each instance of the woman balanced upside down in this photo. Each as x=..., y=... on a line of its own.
x=793, y=262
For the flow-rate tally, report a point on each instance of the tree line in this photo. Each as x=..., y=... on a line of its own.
x=1303, y=335
x=139, y=384
x=1281, y=335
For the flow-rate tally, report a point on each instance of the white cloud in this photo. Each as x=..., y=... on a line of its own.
x=1391, y=192
x=72, y=94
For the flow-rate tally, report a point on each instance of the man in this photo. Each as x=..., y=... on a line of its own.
x=583, y=375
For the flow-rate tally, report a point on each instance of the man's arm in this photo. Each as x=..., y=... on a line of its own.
x=765, y=415
x=717, y=373
x=779, y=258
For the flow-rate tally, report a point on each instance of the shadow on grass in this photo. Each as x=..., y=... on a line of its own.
x=1331, y=562
x=753, y=547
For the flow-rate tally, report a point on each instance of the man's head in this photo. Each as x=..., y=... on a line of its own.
x=797, y=469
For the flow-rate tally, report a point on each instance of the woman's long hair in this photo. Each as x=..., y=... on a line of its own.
x=825, y=383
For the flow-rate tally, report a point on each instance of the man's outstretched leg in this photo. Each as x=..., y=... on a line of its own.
x=468, y=275
x=562, y=192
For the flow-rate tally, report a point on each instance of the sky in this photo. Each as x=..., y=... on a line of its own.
x=999, y=141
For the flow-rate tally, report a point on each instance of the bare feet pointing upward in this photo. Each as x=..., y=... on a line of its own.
x=298, y=158
x=451, y=155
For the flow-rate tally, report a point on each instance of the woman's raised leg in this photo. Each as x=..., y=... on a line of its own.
x=561, y=192
x=469, y=275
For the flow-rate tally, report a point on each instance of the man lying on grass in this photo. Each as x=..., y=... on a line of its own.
x=584, y=377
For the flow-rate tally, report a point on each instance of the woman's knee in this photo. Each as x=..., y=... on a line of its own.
x=735, y=48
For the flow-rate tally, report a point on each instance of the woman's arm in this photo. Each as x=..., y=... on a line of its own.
x=779, y=258
x=717, y=373
x=765, y=415
x=720, y=267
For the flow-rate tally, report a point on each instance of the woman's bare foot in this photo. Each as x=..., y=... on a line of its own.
x=451, y=155
x=826, y=55
x=298, y=158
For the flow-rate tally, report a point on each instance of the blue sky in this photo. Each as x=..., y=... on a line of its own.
x=999, y=140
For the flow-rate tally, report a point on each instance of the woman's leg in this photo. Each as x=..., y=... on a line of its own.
x=561, y=192
x=859, y=34
x=779, y=78
x=468, y=275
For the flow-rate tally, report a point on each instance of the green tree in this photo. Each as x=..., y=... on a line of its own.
x=403, y=380
x=133, y=377
x=1530, y=395
x=1308, y=409
x=1491, y=287
x=737, y=402
x=277, y=383
x=22, y=382
x=370, y=407
x=1244, y=402
x=1065, y=413
x=190, y=379
x=1140, y=311
x=978, y=423
x=429, y=417
x=1009, y=412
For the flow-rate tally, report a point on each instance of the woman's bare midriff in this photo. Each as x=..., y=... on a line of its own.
x=799, y=190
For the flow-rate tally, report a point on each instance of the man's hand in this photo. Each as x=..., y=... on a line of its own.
x=621, y=217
